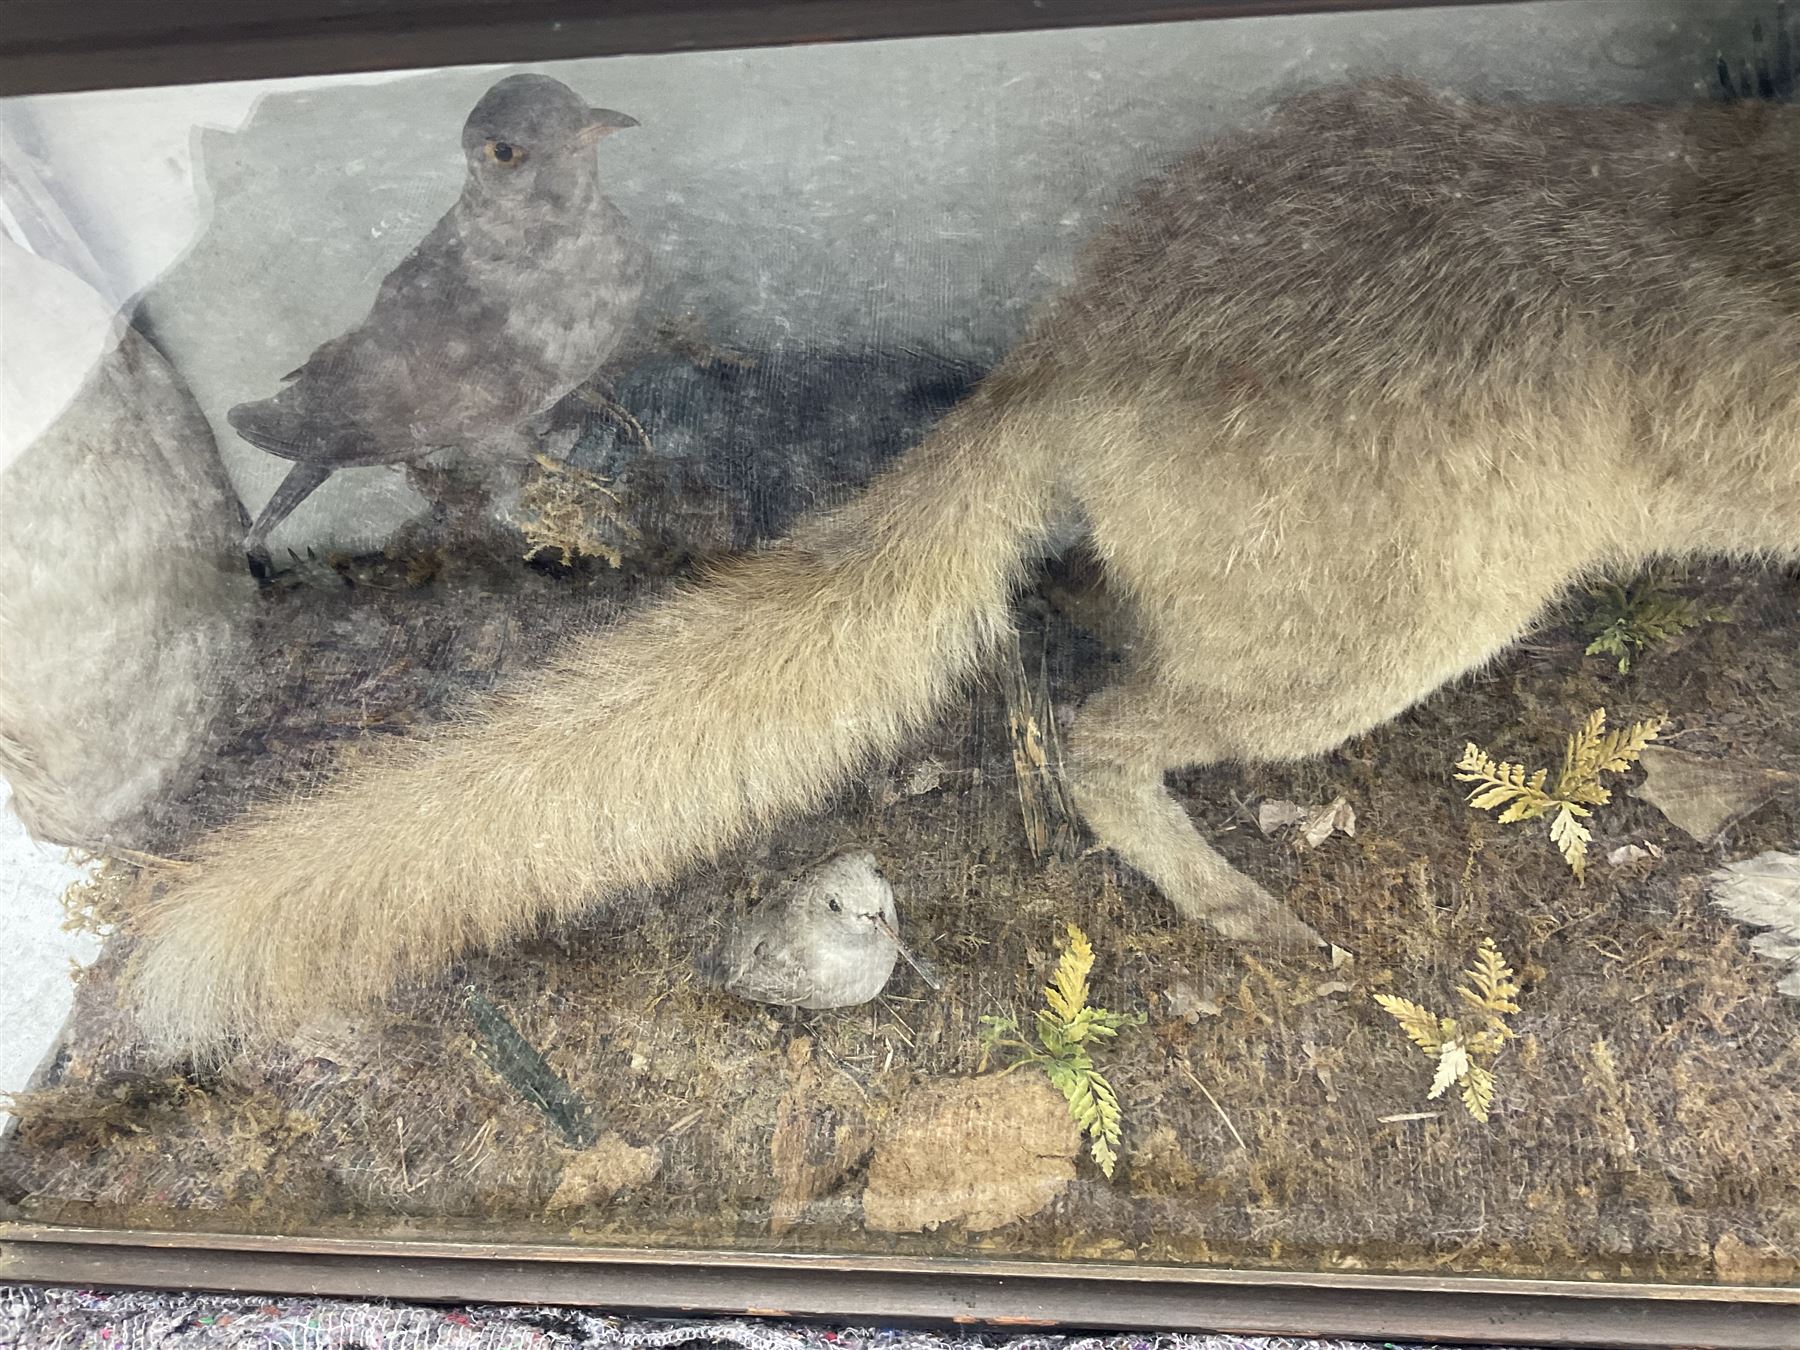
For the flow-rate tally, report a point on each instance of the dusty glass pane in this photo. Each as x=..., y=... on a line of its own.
x=1282, y=772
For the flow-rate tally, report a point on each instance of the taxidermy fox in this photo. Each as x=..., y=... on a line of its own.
x=1340, y=404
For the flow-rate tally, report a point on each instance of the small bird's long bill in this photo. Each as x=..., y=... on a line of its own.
x=931, y=981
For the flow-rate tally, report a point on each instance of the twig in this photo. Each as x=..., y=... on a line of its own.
x=1188, y=1071
x=1045, y=804
x=605, y=403
x=140, y=859
x=685, y=1124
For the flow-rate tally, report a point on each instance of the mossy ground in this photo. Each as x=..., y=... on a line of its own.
x=1273, y=1114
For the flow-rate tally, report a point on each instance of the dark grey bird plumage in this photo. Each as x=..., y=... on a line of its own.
x=515, y=298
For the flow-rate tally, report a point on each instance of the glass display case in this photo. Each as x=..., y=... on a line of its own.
x=1130, y=673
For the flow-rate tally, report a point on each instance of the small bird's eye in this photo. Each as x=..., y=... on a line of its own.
x=505, y=152
x=836, y=908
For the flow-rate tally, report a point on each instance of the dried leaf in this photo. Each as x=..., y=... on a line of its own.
x=1278, y=815
x=1183, y=1000
x=1702, y=796
x=1336, y=816
x=1764, y=892
x=926, y=776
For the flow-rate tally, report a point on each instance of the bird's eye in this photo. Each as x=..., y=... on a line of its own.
x=836, y=908
x=505, y=152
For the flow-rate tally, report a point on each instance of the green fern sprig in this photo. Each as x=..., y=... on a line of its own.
x=1627, y=620
x=1588, y=753
x=1068, y=1030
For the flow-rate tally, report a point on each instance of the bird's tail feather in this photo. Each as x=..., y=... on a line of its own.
x=643, y=749
x=300, y=483
x=268, y=425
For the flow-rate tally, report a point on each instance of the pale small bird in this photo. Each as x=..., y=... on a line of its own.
x=513, y=300
x=830, y=939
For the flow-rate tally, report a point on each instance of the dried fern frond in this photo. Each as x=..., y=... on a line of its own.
x=1067, y=996
x=1619, y=750
x=1572, y=838
x=1465, y=1055
x=1106, y=1129
x=1590, y=752
x=1420, y=1024
x=1478, y=1092
x=1492, y=984
x=1593, y=751
x=1503, y=783
x=1452, y=1067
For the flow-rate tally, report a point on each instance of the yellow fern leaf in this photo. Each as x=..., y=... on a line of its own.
x=1533, y=803
x=1579, y=752
x=1104, y=1155
x=1452, y=1067
x=1106, y=1129
x=1474, y=760
x=1572, y=837
x=1621, y=749
x=1419, y=1023
x=1589, y=735
x=1069, y=994
x=1498, y=782
x=1492, y=985
x=1478, y=1092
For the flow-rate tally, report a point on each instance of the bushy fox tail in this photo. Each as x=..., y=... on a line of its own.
x=641, y=750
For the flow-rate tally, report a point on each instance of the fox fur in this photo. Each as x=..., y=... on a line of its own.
x=1340, y=404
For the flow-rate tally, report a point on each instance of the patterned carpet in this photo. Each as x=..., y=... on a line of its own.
x=33, y=1318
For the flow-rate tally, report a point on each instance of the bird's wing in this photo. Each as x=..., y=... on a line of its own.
x=426, y=269
x=774, y=977
x=419, y=372
x=326, y=354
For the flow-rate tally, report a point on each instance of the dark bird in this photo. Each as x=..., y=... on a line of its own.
x=515, y=298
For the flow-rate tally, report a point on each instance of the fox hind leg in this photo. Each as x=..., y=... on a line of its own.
x=1124, y=740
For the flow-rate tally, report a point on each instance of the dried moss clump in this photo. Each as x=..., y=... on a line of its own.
x=570, y=511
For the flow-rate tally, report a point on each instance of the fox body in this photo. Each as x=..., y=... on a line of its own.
x=1340, y=404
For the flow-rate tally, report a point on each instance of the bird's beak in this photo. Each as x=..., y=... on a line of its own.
x=603, y=122
x=931, y=981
